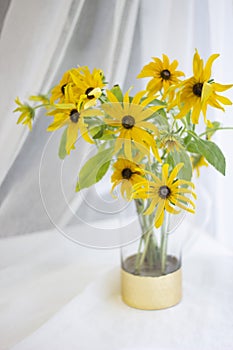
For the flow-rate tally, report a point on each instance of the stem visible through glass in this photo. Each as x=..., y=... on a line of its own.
x=164, y=241
x=150, y=254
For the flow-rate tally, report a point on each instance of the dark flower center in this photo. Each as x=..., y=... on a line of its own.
x=128, y=121
x=74, y=115
x=197, y=89
x=63, y=89
x=165, y=74
x=126, y=173
x=88, y=91
x=164, y=192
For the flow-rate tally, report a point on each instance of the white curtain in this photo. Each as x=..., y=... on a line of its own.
x=29, y=38
x=40, y=40
x=221, y=34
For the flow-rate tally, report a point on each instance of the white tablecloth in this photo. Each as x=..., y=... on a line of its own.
x=56, y=295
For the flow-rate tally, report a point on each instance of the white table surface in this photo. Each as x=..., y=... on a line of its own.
x=57, y=295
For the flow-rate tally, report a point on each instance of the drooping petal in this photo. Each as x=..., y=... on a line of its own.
x=224, y=100
x=159, y=216
x=128, y=149
x=196, y=112
x=185, y=199
x=214, y=103
x=178, y=204
x=170, y=209
x=72, y=134
x=186, y=190
x=156, y=152
x=207, y=70
x=152, y=206
x=220, y=87
x=84, y=133
x=207, y=90
x=174, y=173
x=154, y=85
x=58, y=123
x=184, y=110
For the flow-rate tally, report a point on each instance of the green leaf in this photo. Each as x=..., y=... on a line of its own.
x=188, y=118
x=102, y=171
x=94, y=169
x=116, y=90
x=62, y=148
x=107, y=137
x=97, y=131
x=210, y=151
x=182, y=156
x=192, y=147
x=187, y=140
x=160, y=119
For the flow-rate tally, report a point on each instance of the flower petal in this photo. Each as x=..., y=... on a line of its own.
x=207, y=70
x=159, y=216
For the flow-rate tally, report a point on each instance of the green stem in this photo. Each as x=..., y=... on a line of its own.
x=164, y=240
x=137, y=265
x=147, y=240
x=102, y=99
x=139, y=208
x=215, y=129
x=150, y=251
x=42, y=105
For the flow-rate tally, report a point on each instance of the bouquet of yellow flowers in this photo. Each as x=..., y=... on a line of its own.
x=148, y=140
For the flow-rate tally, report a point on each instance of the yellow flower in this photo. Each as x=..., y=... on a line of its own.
x=44, y=99
x=129, y=120
x=127, y=174
x=199, y=91
x=163, y=73
x=166, y=193
x=58, y=92
x=88, y=85
x=27, y=113
x=197, y=162
x=171, y=142
x=69, y=114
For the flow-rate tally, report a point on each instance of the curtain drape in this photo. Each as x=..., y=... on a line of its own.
x=119, y=37
x=29, y=38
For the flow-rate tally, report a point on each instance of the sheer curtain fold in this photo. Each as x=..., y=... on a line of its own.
x=221, y=33
x=30, y=36
x=124, y=22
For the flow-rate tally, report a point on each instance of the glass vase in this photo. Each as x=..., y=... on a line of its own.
x=151, y=276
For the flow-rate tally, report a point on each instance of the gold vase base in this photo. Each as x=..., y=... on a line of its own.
x=151, y=293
